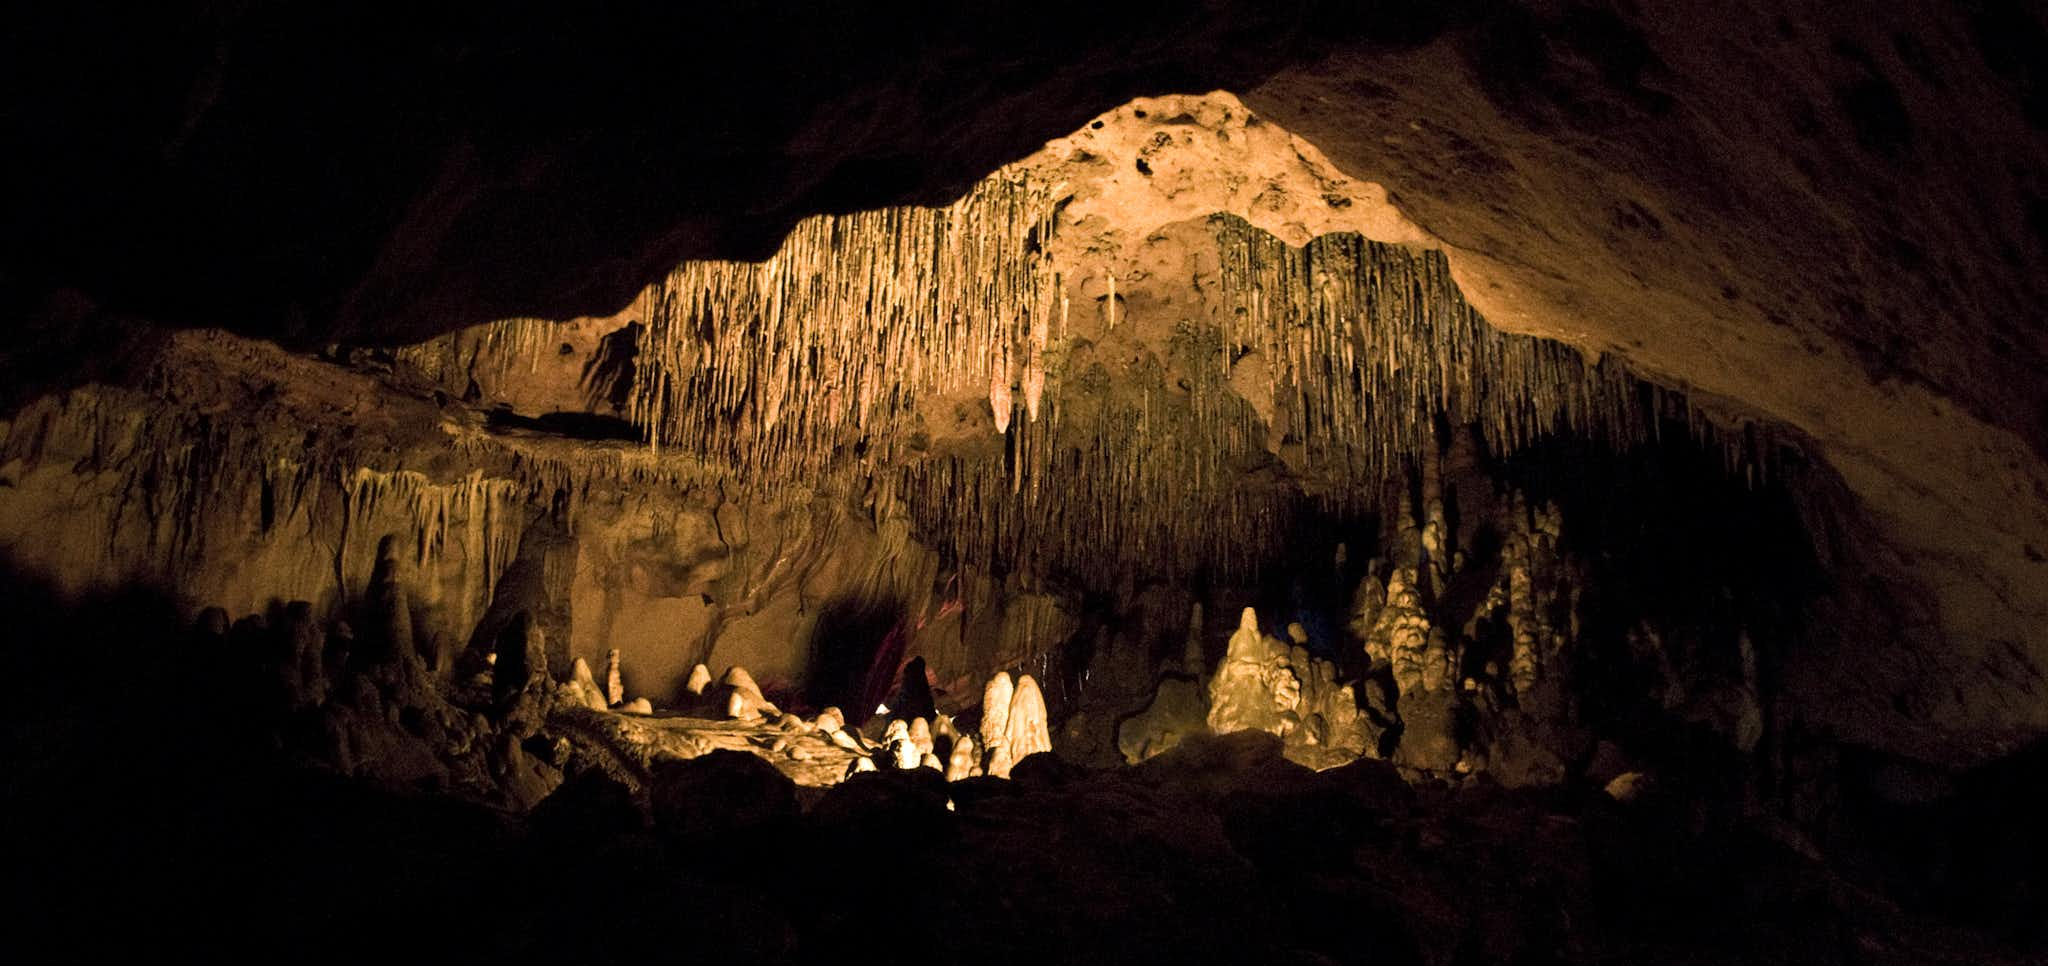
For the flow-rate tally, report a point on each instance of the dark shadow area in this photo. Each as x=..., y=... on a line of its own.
x=848, y=645
x=585, y=426
x=608, y=377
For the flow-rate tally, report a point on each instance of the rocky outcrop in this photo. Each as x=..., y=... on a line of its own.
x=1264, y=685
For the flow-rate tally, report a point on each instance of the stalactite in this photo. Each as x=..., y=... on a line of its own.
x=785, y=368
x=1369, y=344
x=479, y=516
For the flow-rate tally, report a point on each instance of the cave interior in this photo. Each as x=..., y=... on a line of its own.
x=1473, y=482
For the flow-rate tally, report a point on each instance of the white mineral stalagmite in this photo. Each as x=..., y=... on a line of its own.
x=995, y=712
x=1029, y=733
x=921, y=735
x=905, y=755
x=637, y=706
x=700, y=678
x=1000, y=761
x=614, y=686
x=961, y=764
x=585, y=686
x=830, y=720
x=741, y=682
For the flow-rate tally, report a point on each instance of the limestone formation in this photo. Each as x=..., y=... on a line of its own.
x=1253, y=690
x=1028, y=731
x=830, y=720
x=1401, y=634
x=1179, y=708
x=303, y=667
x=1264, y=685
x=921, y=735
x=738, y=679
x=637, y=706
x=1366, y=604
x=963, y=763
x=522, y=659
x=904, y=754
x=995, y=711
x=583, y=687
x=847, y=739
x=700, y=679
x=1000, y=761
x=614, y=686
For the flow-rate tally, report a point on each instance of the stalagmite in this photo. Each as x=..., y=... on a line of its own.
x=904, y=754
x=961, y=764
x=995, y=711
x=931, y=761
x=1000, y=761
x=303, y=670
x=847, y=740
x=921, y=735
x=700, y=678
x=1028, y=731
x=584, y=686
x=742, y=683
x=614, y=687
x=637, y=706
x=1402, y=632
x=829, y=720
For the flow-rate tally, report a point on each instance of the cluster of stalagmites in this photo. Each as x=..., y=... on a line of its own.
x=368, y=696
x=1273, y=686
x=1460, y=669
x=1013, y=726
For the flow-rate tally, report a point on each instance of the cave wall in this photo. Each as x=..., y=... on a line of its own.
x=242, y=477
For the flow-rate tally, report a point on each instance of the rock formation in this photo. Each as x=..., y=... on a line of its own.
x=1264, y=685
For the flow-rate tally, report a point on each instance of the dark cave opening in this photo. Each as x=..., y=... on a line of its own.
x=856, y=649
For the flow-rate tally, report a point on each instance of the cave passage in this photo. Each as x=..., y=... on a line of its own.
x=1163, y=549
